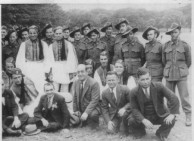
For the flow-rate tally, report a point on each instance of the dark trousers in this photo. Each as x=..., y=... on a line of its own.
x=139, y=128
x=52, y=126
x=8, y=121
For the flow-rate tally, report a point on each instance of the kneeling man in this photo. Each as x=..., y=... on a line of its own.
x=147, y=102
x=115, y=104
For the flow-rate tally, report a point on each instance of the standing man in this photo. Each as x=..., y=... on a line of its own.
x=85, y=30
x=48, y=34
x=86, y=97
x=95, y=47
x=51, y=114
x=66, y=33
x=121, y=26
x=132, y=52
x=23, y=34
x=79, y=45
x=177, y=60
x=153, y=53
x=115, y=104
x=109, y=39
x=148, y=108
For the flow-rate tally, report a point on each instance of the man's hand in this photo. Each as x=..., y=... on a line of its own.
x=77, y=113
x=147, y=123
x=44, y=122
x=168, y=120
x=84, y=116
x=16, y=122
x=111, y=125
x=121, y=112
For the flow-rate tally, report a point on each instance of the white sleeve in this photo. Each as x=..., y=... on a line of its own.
x=21, y=59
x=97, y=78
x=131, y=82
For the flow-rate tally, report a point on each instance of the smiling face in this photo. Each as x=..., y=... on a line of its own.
x=3, y=33
x=103, y=60
x=94, y=36
x=123, y=28
x=17, y=79
x=86, y=30
x=25, y=35
x=66, y=33
x=49, y=33
x=119, y=68
x=109, y=31
x=144, y=80
x=77, y=36
x=13, y=37
x=9, y=67
x=58, y=34
x=81, y=72
x=33, y=34
x=112, y=80
x=49, y=89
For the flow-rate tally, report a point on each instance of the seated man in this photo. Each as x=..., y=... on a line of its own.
x=85, y=98
x=24, y=91
x=147, y=103
x=12, y=121
x=115, y=104
x=51, y=114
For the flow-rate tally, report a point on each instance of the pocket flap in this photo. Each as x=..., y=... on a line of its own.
x=180, y=49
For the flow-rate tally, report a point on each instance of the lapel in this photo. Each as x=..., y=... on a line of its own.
x=77, y=91
x=118, y=94
x=140, y=98
x=45, y=103
x=86, y=86
x=153, y=94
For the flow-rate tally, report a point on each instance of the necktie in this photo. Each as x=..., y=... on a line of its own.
x=146, y=93
x=80, y=94
x=113, y=97
x=49, y=102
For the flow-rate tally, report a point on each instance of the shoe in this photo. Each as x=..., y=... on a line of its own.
x=161, y=137
x=188, y=121
x=11, y=132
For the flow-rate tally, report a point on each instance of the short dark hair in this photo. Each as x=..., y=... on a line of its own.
x=49, y=84
x=111, y=73
x=142, y=71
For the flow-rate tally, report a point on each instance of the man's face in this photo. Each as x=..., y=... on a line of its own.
x=123, y=28
x=49, y=33
x=94, y=36
x=119, y=68
x=86, y=30
x=81, y=73
x=66, y=33
x=112, y=80
x=3, y=33
x=13, y=37
x=144, y=80
x=77, y=36
x=103, y=61
x=9, y=67
x=3, y=86
x=25, y=35
x=58, y=34
x=33, y=34
x=89, y=69
x=17, y=79
x=109, y=31
x=49, y=89
x=151, y=35
x=175, y=34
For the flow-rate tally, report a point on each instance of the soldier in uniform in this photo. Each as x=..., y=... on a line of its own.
x=80, y=46
x=177, y=60
x=85, y=30
x=132, y=52
x=119, y=39
x=95, y=47
x=48, y=34
x=153, y=53
x=23, y=34
x=66, y=33
x=109, y=39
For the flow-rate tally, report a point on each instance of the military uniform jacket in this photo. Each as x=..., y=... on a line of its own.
x=177, y=60
x=119, y=40
x=86, y=39
x=153, y=55
x=81, y=49
x=133, y=54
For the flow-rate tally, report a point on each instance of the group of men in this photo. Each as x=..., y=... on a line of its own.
x=133, y=110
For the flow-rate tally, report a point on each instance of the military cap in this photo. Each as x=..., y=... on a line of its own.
x=130, y=29
x=65, y=27
x=145, y=34
x=85, y=25
x=122, y=20
x=173, y=27
x=16, y=71
x=43, y=32
x=76, y=29
x=142, y=71
x=93, y=30
x=108, y=24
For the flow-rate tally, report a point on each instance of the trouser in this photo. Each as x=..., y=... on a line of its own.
x=138, y=129
x=52, y=126
x=183, y=93
x=121, y=124
x=8, y=121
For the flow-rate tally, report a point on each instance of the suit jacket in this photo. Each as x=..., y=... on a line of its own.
x=90, y=97
x=59, y=111
x=109, y=107
x=158, y=92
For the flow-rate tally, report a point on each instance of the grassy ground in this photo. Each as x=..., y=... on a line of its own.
x=179, y=133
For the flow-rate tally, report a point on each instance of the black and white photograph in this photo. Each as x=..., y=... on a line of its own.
x=96, y=70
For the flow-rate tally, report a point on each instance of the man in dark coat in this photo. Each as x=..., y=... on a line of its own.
x=147, y=103
x=115, y=104
x=12, y=121
x=86, y=97
x=51, y=114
